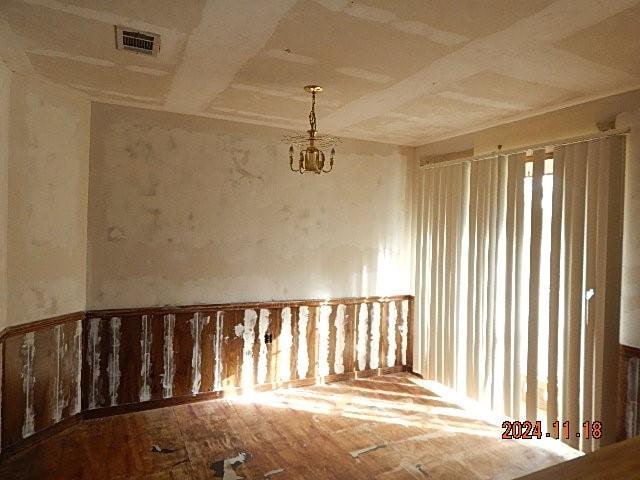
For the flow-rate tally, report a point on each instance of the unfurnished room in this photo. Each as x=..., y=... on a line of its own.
x=320, y=239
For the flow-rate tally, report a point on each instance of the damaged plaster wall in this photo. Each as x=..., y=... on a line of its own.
x=630, y=301
x=186, y=210
x=5, y=102
x=47, y=201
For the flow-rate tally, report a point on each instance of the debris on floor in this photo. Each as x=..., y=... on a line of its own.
x=159, y=449
x=225, y=468
x=357, y=453
x=270, y=474
x=421, y=469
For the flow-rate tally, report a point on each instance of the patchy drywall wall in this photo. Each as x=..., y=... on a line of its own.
x=187, y=210
x=47, y=200
x=630, y=306
x=5, y=101
x=624, y=111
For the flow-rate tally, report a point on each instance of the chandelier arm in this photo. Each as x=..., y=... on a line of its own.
x=333, y=153
x=291, y=159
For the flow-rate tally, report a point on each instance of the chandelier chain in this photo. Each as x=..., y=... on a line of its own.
x=312, y=114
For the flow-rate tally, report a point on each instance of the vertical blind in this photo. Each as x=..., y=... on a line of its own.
x=517, y=281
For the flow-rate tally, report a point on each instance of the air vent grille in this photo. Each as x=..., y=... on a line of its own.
x=136, y=41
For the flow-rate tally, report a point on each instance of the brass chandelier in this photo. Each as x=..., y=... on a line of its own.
x=312, y=158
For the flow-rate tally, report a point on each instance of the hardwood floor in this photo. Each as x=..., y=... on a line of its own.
x=389, y=427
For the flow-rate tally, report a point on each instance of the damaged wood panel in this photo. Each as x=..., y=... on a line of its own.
x=45, y=372
x=384, y=335
x=14, y=400
x=124, y=357
x=94, y=363
x=333, y=341
x=232, y=348
x=248, y=328
x=350, y=319
x=182, y=355
x=295, y=332
x=407, y=313
x=40, y=374
x=278, y=348
x=156, y=351
x=398, y=330
x=311, y=357
x=207, y=352
x=264, y=347
x=70, y=384
x=628, y=392
x=374, y=328
x=130, y=359
x=362, y=336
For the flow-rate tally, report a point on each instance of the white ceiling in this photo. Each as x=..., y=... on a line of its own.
x=407, y=72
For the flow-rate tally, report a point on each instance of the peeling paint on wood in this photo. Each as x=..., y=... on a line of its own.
x=263, y=327
x=28, y=383
x=238, y=330
x=323, y=339
x=169, y=367
x=338, y=365
x=145, y=358
x=225, y=468
x=302, y=363
x=374, y=361
x=285, y=342
x=58, y=398
x=77, y=341
x=217, y=349
x=363, y=320
x=632, y=423
x=404, y=330
x=249, y=337
x=197, y=322
x=93, y=361
x=113, y=366
x=391, y=334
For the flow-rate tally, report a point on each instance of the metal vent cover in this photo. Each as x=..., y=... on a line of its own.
x=137, y=41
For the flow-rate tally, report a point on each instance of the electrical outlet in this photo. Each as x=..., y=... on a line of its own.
x=268, y=338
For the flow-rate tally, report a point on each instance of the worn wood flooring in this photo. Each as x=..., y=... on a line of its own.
x=388, y=427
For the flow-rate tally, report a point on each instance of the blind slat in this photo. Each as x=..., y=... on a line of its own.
x=554, y=287
x=535, y=257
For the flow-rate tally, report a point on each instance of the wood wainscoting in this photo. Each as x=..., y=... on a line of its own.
x=629, y=392
x=99, y=363
x=162, y=356
x=41, y=372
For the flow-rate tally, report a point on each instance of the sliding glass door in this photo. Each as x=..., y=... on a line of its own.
x=517, y=282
